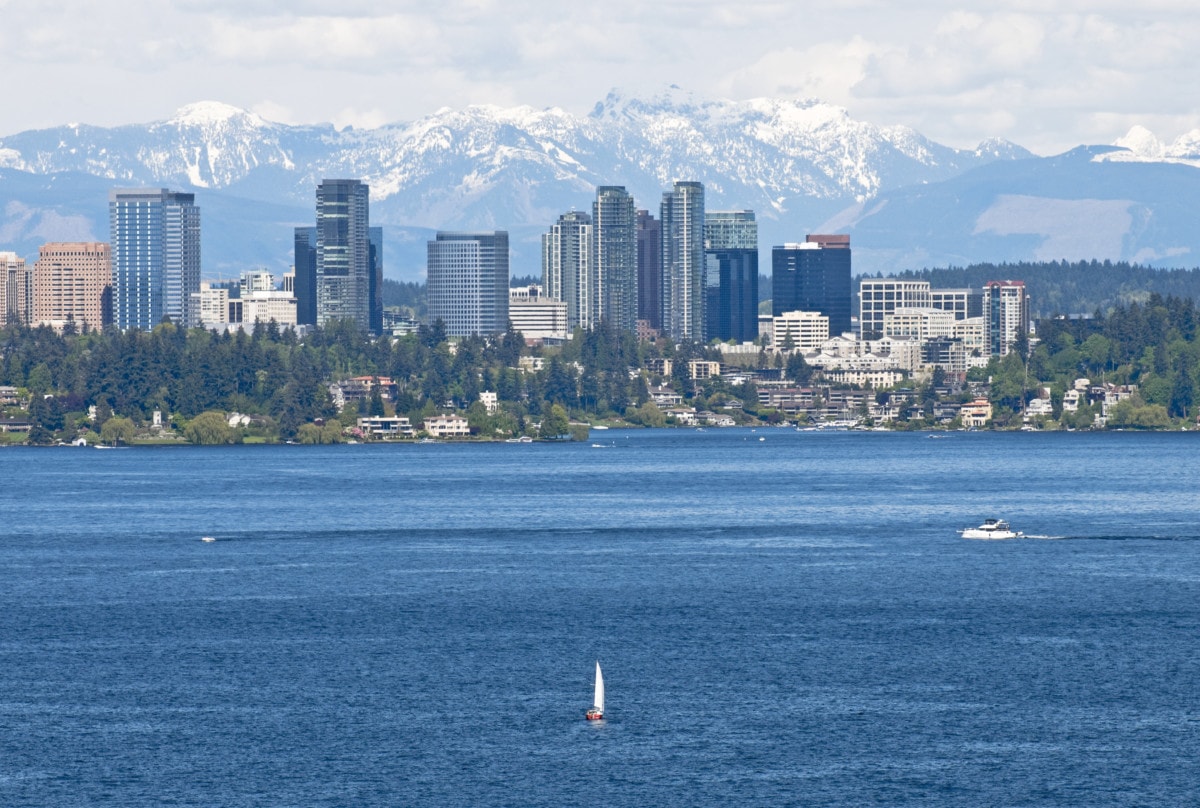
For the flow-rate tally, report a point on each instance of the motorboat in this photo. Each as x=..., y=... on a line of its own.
x=207, y=539
x=597, y=711
x=991, y=529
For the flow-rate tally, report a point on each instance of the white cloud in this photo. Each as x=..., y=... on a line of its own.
x=359, y=118
x=276, y=113
x=1046, y=73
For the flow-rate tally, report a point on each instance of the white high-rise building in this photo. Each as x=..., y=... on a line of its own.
x=682, y=215
x=211, y=304
x=568, y=269
x=537, y=316
x=258, y=280
x=919, y=323
x=799, y=331
x=879, y=297
x=269, y=305
x=1005, y=314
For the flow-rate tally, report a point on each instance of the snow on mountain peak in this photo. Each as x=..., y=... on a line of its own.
x=210, y=113
x=1142, y=142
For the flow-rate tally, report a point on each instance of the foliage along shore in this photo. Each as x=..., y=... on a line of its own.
x=281, y=382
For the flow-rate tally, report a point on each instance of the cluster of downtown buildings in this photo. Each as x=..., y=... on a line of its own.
x=150, y=271
x=689, y=275
x=692, y=274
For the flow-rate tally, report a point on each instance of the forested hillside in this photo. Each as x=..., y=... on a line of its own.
x=1071, y=288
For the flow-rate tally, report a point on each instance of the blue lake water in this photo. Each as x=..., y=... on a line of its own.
x=783, y=619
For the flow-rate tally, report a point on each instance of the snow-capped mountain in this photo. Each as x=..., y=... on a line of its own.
x=797, y=163
x=765, y=153
x=1140, y=145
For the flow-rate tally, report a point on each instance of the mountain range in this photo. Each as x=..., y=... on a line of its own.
x=802, y=165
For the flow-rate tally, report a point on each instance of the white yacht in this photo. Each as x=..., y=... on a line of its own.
x=991, y=529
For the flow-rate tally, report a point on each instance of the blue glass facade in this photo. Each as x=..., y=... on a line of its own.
x=345, y=271
x=813, y=276
x=155, y=237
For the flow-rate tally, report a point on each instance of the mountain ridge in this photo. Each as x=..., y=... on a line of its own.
x=797, y=162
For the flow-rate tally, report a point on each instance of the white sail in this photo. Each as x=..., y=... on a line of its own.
x=599, y=689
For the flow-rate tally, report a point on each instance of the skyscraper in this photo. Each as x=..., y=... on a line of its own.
x=731, y=275
x=305, y=281
x=16, y=290
x=72, y=282
x=649, y=262
x=345, y=271
x=813, y=276
x=375, y=293
x=467, y=278
x=568, y=268
x=615, y=221
x=1006, y=315
x=683, y=261
x=155, y=256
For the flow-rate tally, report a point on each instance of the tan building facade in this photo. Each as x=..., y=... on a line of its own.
x=72, y=282
x=802, y=330
x=267, y=306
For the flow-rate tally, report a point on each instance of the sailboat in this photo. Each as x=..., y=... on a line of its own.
x=597, y=711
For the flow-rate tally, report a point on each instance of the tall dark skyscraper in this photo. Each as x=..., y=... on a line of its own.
x=614, y=223
x=649, y=263
x=376, y=290
x=731, y=275
x=155, y=256
x=683, y=261
x=813, y=276
x=345, y=271
x=305, y=284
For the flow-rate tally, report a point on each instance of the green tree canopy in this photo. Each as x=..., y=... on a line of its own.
x=117, y=430
x=555, y=423
x=210, y=429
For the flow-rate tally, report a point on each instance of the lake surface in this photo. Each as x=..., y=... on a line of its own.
x=783, y=619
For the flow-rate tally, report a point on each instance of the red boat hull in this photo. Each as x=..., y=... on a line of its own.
x=595, y=715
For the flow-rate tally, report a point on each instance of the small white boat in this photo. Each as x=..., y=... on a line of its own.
x=991, y=529
x=597, y=711
x=207, y=539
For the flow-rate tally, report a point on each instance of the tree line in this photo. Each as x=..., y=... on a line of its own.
x=272, y=373
x=1070, y=287
x=1151, y=344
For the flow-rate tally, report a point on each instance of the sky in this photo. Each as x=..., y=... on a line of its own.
x=1046, y=74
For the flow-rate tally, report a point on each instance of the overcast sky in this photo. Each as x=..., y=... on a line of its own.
x=1047, y=74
